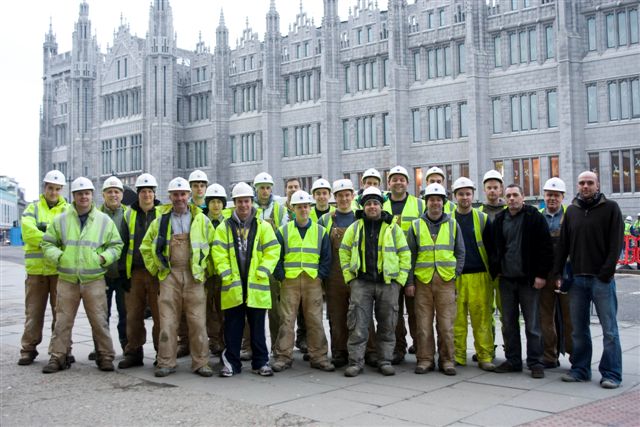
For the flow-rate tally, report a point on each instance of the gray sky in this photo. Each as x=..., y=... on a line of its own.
x=24, y=23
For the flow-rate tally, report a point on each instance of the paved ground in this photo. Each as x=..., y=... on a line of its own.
x=301, y=396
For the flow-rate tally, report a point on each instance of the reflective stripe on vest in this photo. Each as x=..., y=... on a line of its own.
x=301, y=254
x=438, y=255
x=411, y=211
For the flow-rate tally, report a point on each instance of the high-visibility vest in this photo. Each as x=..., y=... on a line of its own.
x=448, y=207
x=326, y=220
x=155, y=249
x=438, y=255
x=394, y=257
x=479, y=222
x=413, y=208
x=313, y=216
x=38, y=212
x=76, y=250
x=265, y=254
x=301, y=254
x=130, y=218
x=277, y=214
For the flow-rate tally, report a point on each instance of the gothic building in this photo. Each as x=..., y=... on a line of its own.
x=533, y=88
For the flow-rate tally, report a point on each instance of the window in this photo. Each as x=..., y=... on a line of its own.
x=232, y=148
x=635, y=98
x=624, y=99
x=526, y=173
x=633, y=27
x=318, y=138
x=463, y=120
x=447, y=60
x=430, y=19
x=513, y=48
x=136, y=152
x=200, y=154
x=591, y=33
x=440, y=122
x=442, y=21
x=621, y=173
x=613, y=101
x=118, y=69
x=369, y=34
x=126, y=71
x=497, y=52
x=431, y=55
x=524, y=112
x=552, y=109
x=549, y=42
x=439, y=62
x=359, y=36
x=524, y=57
x=592, y=103
x=345, y=134
x=461, y=59
x=611, y=30
x=347, y=83
x=385, y=72
x=554, y=166
x=497, y=115
x=106, y=157
x=285, y=142
x=121, y=152
x=298, y=51
x=622, y=28
x=386, y=129
x=415, y=117
x=514, y=4
x=416, y=65
x=594, y=163
x=306, y=49
x=533, y=46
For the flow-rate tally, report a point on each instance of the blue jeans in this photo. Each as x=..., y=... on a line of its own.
x=234, y=319
x=586, y=289
x=518, y=295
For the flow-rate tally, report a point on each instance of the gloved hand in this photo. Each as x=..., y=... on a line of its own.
x=42, y=226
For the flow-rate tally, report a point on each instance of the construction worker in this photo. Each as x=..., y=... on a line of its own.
x=435, y=175
x=554, y=190
x=437, y=258
x=82, y=242
x=405, y=208
x=42, y=275
x=116, y=277
x=216, y=200
x=245, y=253
x=375, y=261
x=635, y=228
x=291, y=186
x=144, y=287
x=370, y=177
x=492, y=184
x=337, y=292
x=321, y=192
x=305, y=261
x=474, y=291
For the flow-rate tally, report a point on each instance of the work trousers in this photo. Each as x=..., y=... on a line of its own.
x=234, y=328
x=474, y=299
x=549, y=301
x=436, y=299
x=37, y=290
x=94, y=299
x=143, y=292
x=337, y=293
x=115, y=286
x=215, y=317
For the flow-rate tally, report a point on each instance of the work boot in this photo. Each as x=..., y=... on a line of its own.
x=387, y=370
x=352, y=371
x=398, y=358
x=371, y=359
x=54, y=366
x=183, y=351
x=423, y=369
x=163, y=372
x=280, y=365
x=412, y=349
x=448, y=370
x=216, y=350
x=93, y=355
x=325, y=365
x=537, y=372
x=339, y=361
x=205, y=371
x=27, y=358
x=486, y=366
x=71, y=359
x=505, y=367
x=105, y=365
x=130, y=360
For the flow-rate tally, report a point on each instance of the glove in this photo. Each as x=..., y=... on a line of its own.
x=42, y=226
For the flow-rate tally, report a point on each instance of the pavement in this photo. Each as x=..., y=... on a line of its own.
x=83, y=395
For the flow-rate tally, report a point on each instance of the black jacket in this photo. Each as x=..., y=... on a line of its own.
x=537, y=252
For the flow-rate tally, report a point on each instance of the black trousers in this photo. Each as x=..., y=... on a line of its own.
x=234, y=319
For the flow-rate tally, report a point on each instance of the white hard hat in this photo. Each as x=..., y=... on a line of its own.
x=301, y=197
x=320, y=183
x=197, y=176
x=399, y=170
x=628, y=218
x=492, y=174
x=216, y=190
x=555, y=184
x=435, y=189
x=371, y=172
x=82, y=183
x=241, y=189
x=371, y=193
x=54, y=177
x=146, y=180
x=463, y=182
x=178, y=184
x=112, y=182
x=434, y=170
x=342, y=184
x=262, y=178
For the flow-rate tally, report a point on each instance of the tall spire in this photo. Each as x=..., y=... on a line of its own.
x=221, y=22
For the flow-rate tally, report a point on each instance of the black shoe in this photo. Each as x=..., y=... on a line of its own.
x=398, y=358
x=130, y=361
x=412, y=349
x=371, y=359
x=474, y=357
x=537, y=372
x=27, y=358
x=507, y=367
x=551, y=365
x=93, y=355
x=71, y=359
x=339, y=362
x=306, y=357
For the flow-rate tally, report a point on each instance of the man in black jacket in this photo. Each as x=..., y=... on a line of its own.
x=522, y=259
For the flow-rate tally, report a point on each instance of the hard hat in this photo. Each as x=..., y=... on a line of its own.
x=463, y=182
x=82, y=183
x=146, y=180
x=179, y=184
x=399, y=170
x=371, y=172
x=112, y=182
x=434, y=170
x=241, y=189
x=216, y=190
x=320, y=183
x=371, y=193
x=262, y=178
x=435, y=189
x=555, y=184
x=197, y=175
x=342, y=184
x=628, y=219
x=54, y=177
x=492, y=174
x=301, y=197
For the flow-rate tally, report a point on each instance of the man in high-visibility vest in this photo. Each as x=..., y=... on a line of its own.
x=321, y=192
x=42, y=275
x=437, y=258
x=245, y=253
x=175, y=249
x=405, y=208
x=474, y=291
x=144, y=287
x=82, y=242
x=494, y=203
x=370, y=178
x=554, y=190
x=337, y=291
x=435, y=175
x=375, y=261
x=304, y=262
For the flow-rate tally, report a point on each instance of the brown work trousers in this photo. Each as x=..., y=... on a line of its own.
x=37, y=290
x=180, y=292
x=337, y=292
x=144, y=291
x=215, y=317
x=435, y=299
x=547, y=304
x=308, y=291
x=94, y=299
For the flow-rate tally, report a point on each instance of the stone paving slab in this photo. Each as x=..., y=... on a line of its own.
x=503, y=415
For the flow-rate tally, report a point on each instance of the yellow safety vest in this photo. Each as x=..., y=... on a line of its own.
x=438, y=255
x=314, y=216
x=38, y=212
x=479, y=222
x=76, y=251
x=277, y=214
x=413, y=208
x=265, y=254
x=301, y=254
x=130, y=218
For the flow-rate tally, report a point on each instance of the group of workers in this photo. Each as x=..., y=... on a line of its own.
x=210, y=274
